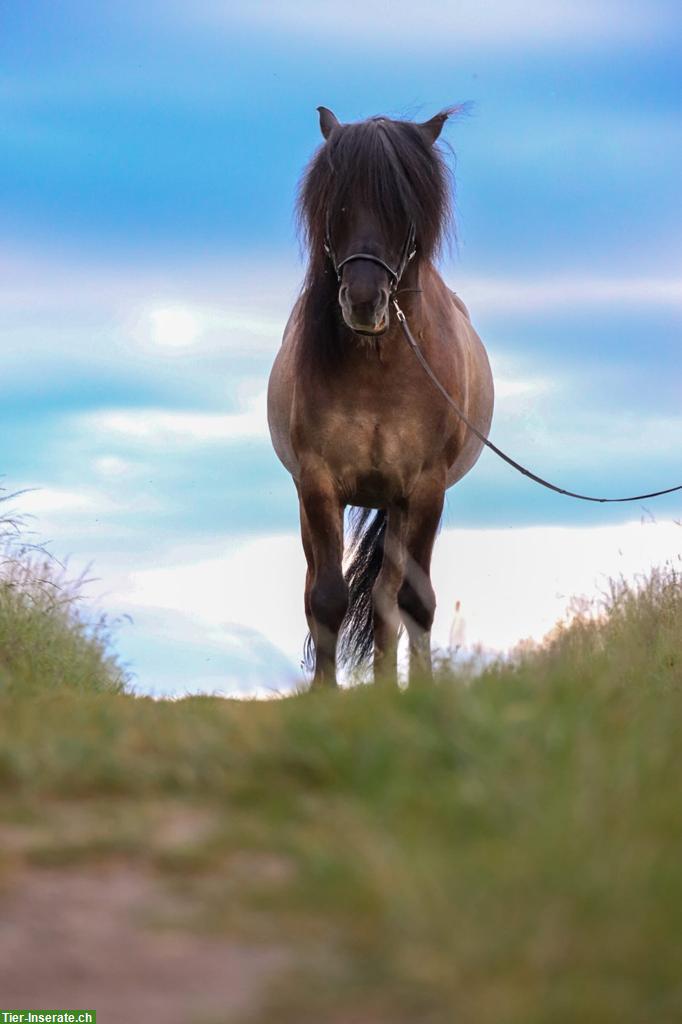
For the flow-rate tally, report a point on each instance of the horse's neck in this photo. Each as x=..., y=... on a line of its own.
x=420, y=290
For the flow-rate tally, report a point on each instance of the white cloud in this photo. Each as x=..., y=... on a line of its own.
x=174, y=326
x=507, y=387
x=72, y=317
x=83, y=520
x=512, y=584
x=590, y=440
x=470, y=23
x=112, y=466
x=256, y=585
x=513, y=295
x=218, y=308
x=233, y=326
x=50, y=500
x=515, y=584
x=159, y=426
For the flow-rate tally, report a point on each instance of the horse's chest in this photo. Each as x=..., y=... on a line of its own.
x=366, y=440
x=372, y=456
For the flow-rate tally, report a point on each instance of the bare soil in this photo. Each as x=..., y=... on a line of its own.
x=90, y=938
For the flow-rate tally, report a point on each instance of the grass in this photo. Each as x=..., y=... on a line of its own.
x=47, y=641
x=498, y=849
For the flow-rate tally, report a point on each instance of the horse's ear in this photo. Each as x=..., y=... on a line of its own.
x=328, y=121
x=432, y=129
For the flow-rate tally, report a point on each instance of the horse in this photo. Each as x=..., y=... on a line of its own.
x=352, y=415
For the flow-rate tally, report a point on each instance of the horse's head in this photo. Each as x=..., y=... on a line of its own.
x=375, y=193
x=364, y=284
x=369, y=225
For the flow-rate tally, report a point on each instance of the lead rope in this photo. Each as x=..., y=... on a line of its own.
x=409, y=337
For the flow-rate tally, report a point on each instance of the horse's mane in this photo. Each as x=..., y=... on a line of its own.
x=390, y=167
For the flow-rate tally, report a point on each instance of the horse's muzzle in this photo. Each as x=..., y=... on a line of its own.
x=366, y=317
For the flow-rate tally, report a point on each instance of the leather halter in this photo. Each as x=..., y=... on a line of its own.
x=407, y=253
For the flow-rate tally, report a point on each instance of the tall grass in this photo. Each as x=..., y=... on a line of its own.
x=631, y=636
x=48, y=641
x=497, y=849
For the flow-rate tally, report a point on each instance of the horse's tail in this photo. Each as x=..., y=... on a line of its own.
x=367, y=532
x=366, y=542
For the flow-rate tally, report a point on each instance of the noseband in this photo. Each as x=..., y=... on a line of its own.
x=407, y=253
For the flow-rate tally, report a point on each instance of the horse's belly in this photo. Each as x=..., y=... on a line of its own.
x=373, y=489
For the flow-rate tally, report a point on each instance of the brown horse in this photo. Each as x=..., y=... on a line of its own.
x=353, y=417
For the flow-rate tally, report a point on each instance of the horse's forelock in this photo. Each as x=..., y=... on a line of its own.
x=387, y=166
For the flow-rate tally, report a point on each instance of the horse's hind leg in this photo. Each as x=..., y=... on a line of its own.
x=386, y=616
x=326, y=597
x=416, y=597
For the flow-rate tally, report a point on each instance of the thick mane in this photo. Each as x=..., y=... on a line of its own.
x=389, y=167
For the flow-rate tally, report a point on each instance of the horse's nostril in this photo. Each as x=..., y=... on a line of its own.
x=343, y=293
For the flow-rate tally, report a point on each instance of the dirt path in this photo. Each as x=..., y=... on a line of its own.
x=82, y=938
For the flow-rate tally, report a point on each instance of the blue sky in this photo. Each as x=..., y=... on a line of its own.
x=148, y=167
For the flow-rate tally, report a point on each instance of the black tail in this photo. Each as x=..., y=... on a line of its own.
x=356, y=639
x=308, y=660
x=367, y=532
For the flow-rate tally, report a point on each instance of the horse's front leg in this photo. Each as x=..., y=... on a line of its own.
x=326, y=589
x=416, y=597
